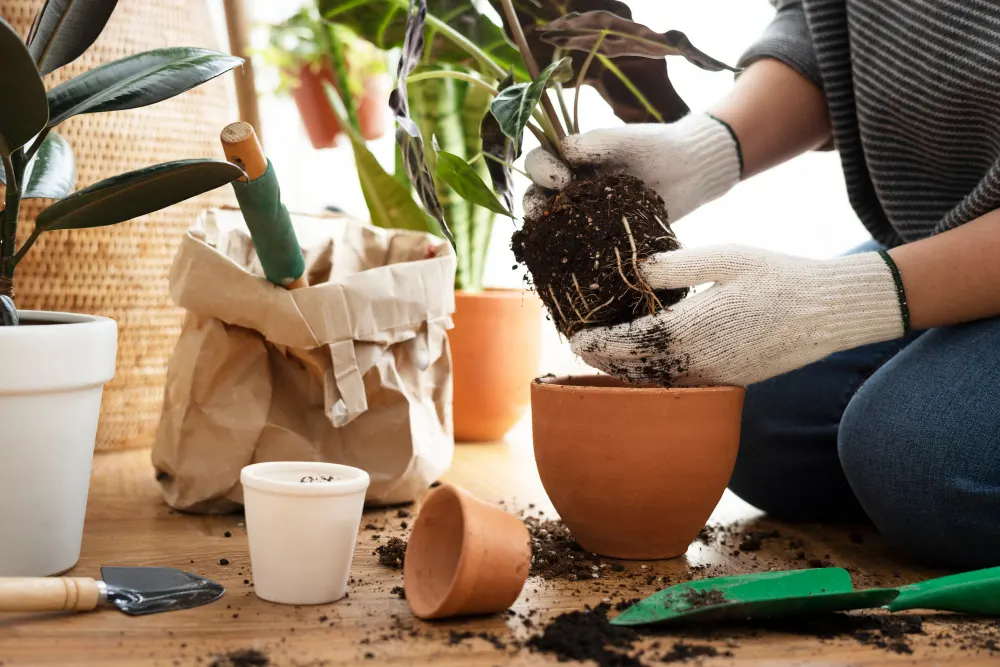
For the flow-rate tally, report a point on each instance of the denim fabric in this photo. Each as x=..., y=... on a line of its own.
x=905, y=433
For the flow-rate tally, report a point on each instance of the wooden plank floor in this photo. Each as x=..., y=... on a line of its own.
x=129, y=525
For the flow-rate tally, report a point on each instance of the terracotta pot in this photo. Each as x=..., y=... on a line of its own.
x=465, y=557
x=634, y=472
x=318, y=116
x=496, y=346
x=373, y=107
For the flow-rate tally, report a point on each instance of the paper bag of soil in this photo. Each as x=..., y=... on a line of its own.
x=354, y=369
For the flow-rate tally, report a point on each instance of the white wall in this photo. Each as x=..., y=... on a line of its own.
x=798, y=208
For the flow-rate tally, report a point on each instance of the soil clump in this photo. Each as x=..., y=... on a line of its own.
x=393, y=553
x=584, y=252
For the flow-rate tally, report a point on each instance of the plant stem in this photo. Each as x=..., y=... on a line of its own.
x=336, y=51
x=560, y=95
x=532, y=65
x=14, y=168
x=506, y=164
x=580, y=79
x=631, y=87
x=36, y=145
x=452, y=74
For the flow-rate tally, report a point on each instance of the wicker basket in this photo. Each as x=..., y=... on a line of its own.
x=121, y=271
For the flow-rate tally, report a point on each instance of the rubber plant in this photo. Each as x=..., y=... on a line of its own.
x=584, y=249
x=39, y=163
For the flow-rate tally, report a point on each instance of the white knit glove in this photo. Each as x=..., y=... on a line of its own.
x=689, y=162
x=766, y=314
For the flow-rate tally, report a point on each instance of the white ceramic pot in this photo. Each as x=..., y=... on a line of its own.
x=52, y=373
x=302, y=525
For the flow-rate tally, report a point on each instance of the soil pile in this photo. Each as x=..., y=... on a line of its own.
x=392, y=553
x=584, y=252
x=244, y=657
x=587, y=635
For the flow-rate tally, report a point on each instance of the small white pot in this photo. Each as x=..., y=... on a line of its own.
x=52, y=373
x=302, y=523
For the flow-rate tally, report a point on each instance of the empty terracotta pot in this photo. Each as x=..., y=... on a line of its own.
x=465, y=557
x=496, y=347
x=318, y=115
x=634, y=472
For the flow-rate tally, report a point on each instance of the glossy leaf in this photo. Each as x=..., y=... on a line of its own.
x=648, y=76
x=502, y=152
x=52, y=172
x=408, y=135
x=137, y=81
x=136, y=193
x=617, y=37
x=64, y=29
x=457, y=173
x=514, y=105
x=8, y=312
x=383, y=22
x=23, y=109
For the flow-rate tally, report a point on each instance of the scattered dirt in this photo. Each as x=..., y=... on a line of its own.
x=399, y=591
x=682, y=652
x=888, y=632
x=392, y=553
x=583, y=253
x=698, y=599
x=753, y=540
x=587, y=635
x=244, y=657
x=556, y=555
x=403, y=514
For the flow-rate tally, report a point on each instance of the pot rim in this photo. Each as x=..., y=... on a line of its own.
x=609, y=385
x=268, y=477
x=434, y=606
x=54, y=319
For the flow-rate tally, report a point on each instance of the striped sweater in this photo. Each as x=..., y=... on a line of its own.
x=913, y=88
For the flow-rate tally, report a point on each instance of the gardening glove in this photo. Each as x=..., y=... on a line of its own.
x=689, y=163
x=765, y=314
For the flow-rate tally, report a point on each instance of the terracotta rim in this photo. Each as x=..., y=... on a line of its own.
x=606, y=384
x=427, y=606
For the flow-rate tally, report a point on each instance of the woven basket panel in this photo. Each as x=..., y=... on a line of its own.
x=121, y=271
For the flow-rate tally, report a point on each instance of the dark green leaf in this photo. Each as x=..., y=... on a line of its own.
x=64, y=29
x=619, y=37
x=514, y=105
x=383, y=22
x=52, y=172
x=503, y=151
x=23, y=109
x=136, y=193
x=649, y=76
x=408, y=135
x=457, y=173
x=8, y=312
x=137, y=81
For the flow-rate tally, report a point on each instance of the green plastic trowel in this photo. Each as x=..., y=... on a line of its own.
x=821, y=590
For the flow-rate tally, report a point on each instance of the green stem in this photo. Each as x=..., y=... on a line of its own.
x=560, y=95
x=36, y=145
x=506, y=164
x=14, y=169
x=580, y=79
x=451, y=74
x=336, y=51
x=631, y=87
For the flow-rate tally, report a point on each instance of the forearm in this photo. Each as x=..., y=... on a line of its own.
x=776, y=113
x=953, y=277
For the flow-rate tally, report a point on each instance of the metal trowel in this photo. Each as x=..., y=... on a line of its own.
x=134, y=590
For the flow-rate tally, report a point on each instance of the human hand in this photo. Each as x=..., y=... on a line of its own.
x=688, y=163
x=765, y=314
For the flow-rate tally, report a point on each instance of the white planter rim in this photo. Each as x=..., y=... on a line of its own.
x=51, y=318
x=284, y=478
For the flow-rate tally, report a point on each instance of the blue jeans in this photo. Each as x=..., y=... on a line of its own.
x=905, y=433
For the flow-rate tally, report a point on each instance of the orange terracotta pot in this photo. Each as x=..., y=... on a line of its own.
x=496, y=349
x=373, y=107
x=465, y=557
x=634, y=472
x=318, y=116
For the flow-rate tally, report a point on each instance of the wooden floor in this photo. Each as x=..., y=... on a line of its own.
x=129, y=525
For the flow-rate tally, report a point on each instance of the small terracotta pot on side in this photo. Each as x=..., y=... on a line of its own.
x=634, y=472
x=496, y=349
x=465, y=557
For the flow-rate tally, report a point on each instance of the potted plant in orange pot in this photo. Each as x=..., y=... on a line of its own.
x=496, y=340
x=605, y=450
x=300, y=48
x=53, y=365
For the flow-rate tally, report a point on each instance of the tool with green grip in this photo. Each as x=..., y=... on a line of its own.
x=259, y=197
x=821, y=590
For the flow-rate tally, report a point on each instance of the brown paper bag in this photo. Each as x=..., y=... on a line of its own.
x=354, y=369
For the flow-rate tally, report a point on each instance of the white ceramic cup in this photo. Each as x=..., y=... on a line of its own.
x=302, y=523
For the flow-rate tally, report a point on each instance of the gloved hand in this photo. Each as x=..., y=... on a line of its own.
x=689, y=162
x=765, y=314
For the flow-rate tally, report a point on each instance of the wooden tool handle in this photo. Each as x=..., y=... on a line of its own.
x=242, y=148
x=49, y=594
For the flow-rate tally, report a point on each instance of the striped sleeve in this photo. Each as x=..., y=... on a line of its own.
x=786, y=39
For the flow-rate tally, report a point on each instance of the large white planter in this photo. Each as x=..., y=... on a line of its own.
x=52, y=373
